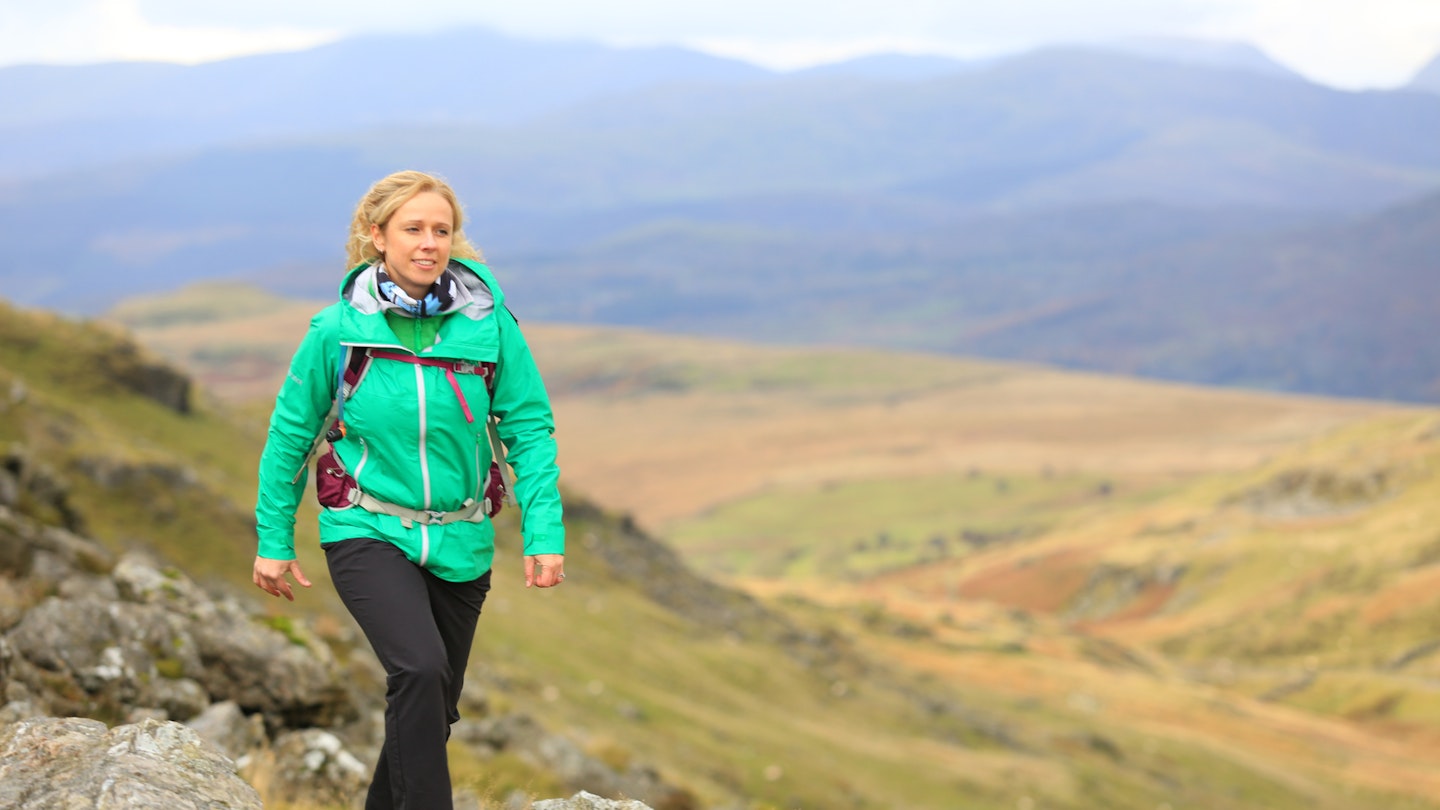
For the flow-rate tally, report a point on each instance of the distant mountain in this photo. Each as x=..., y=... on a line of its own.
x=1018, y=210
x=895, y=66
x=1428, y=79
x=57, y=118
x=1240, y=56
x=1345, y=310
x=1241, y=299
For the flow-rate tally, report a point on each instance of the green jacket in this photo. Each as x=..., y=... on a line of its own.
x=408, y=441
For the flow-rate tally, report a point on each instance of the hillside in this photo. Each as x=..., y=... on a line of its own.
x=1106, y=658
x=812, y=418
x=1306, y=583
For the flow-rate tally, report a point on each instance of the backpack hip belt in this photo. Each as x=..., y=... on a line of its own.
x=468, y=510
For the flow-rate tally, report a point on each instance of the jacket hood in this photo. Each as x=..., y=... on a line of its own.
x=478, y=297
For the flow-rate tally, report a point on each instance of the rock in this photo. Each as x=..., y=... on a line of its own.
x=521, y=735
x=1316, y=492
x=229, y=729
x=127, y=365
x=17, y=543
x=113, y=651
x=17, y=710
x=138, y=580
x=14, y=600
x=40, y=491
x=74, y=553
x=313, y=766
x=282, y=671
x=588, y=801
x=80, y=586
x=180, y=698
x=74, y=762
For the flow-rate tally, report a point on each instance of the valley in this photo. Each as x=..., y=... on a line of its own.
x=1133, y=594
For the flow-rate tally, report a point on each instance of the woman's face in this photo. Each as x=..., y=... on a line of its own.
x=416, y=242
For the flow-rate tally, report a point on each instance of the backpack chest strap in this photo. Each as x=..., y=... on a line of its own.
x=451, y=367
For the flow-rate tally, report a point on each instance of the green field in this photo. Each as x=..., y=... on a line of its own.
x=851, y=530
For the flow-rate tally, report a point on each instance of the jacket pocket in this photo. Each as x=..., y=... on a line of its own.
x=333, y=484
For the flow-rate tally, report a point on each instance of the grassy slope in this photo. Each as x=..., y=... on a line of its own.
x=699, y=702
x=1066, y=678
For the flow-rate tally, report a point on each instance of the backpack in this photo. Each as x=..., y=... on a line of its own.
x=336, y=489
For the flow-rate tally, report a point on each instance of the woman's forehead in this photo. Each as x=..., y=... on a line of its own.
x=427, y=205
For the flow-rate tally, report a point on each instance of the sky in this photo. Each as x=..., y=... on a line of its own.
x=1350, y=44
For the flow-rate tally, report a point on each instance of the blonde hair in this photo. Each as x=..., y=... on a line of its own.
x=384, y=199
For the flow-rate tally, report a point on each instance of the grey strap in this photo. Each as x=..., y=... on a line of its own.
x=497, y=450
x=409, y=517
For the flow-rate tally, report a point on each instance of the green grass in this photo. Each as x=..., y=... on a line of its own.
x=861, y=528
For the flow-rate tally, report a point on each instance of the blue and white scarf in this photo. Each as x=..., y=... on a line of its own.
x=438, y=298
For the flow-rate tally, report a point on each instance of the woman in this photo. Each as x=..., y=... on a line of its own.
x=424, y=343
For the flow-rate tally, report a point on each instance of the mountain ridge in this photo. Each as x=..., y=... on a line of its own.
x=990, y=211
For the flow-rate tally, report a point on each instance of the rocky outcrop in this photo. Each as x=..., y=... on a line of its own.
x=520, y=735
x=143, y=638
x=33, y=488
x=588, y=801
x=77, y=762
x=83, y=635
x=120, y=641
x=1316, y=492
x=128, y=366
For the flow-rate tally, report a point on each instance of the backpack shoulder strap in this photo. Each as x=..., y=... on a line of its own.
x=352, y=365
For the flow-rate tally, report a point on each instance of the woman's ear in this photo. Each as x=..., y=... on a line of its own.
x=377, y=238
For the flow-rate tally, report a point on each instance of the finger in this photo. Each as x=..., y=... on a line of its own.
x=299, y=575
x=530, y=571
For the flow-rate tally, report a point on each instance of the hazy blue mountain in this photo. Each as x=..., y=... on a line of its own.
x=1221, y=55
x=1058, y=127
x=1245, y=298
x=1346, y=310
x=897, y=66
x=1056, y=130
x=56, y=118
x=1428, y=77
x=1088, y=208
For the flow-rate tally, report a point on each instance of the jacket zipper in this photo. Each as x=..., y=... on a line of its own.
x=360, y=467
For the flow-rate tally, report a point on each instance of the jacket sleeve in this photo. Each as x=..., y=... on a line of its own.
x=527, y=427
x=300, y=409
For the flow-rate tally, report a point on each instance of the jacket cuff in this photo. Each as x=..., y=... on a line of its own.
x=549, y=544
x=273, y=548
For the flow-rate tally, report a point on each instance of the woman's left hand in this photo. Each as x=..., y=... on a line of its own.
x=544, y=570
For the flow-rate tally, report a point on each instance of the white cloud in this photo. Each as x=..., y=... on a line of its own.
x=1345, y=43
x=104, y=30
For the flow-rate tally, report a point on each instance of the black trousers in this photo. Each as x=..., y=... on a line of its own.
x=421, y=628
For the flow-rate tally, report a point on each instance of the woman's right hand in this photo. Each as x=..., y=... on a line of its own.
x=269, y=576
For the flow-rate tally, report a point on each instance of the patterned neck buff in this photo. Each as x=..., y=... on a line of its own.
x=438, y=298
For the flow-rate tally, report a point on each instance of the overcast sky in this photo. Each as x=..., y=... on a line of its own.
x=1344, y=43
